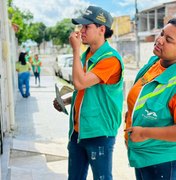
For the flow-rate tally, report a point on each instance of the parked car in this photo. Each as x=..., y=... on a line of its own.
x=59, y=63
x=66, y=69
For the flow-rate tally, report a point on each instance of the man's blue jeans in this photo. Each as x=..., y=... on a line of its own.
x=96, y=152
x=163, y=171
x=23, y=79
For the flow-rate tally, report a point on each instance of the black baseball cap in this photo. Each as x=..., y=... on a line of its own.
x=94, y=14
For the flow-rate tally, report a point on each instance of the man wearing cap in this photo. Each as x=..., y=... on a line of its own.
x=96, y=104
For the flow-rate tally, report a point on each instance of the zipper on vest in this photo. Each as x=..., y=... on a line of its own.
x=79, y=129
x=135, y=105
x=72, y=121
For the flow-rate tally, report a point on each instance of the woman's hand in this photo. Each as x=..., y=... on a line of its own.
x=136, y=133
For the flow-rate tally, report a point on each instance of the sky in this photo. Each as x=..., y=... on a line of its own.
x=51, y=11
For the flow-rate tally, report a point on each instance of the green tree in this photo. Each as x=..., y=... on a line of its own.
x=49, y=33
x=60, y=33
x=22, y=19
x=9, y=3
x=36, y=32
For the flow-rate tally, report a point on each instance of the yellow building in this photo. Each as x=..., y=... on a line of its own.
x=121, y=25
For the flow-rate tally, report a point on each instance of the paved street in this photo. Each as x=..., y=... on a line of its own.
x=39, y=142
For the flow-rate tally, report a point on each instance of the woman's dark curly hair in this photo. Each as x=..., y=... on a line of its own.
x=22, y=58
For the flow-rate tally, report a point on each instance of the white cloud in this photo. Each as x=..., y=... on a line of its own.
x=52, y=11
x=127, y=7
x=141, y=3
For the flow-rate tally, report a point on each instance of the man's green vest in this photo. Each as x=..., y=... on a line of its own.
x=101, y=107
x=151, y=110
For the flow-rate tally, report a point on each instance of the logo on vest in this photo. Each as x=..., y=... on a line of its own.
x=150, y=115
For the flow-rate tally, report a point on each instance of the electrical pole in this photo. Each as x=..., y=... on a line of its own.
x=137, y=45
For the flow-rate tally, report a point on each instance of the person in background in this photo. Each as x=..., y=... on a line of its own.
x=23, y=68
x=96, y=104
x=36, y=68
x=151, y=117
x=28, y=56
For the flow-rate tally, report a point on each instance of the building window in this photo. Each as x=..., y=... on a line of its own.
x=160, y=19
x=151, y=20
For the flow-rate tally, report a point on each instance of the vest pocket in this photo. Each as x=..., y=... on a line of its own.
x=153, y=114
x=90, y=118
x=150, y=114
x=153, y=105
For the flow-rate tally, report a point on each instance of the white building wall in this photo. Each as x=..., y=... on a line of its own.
x=5, y=115
x=146, y=51
x=8, y=51
x=8, y=56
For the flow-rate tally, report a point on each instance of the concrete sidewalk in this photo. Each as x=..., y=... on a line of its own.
x=38, y=148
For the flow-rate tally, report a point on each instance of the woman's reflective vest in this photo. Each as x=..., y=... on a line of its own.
x=151, y=110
